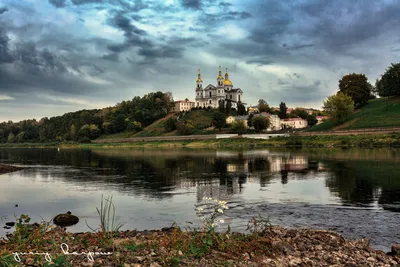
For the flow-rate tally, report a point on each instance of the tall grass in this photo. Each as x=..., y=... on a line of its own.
x=109, y=224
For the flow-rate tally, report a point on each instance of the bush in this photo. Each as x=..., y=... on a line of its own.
x=260, y=123
x=170, y=124
x=134, y=126
x=185, y=129
x=238, y=127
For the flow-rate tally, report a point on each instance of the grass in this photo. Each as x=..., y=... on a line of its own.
x=378, y=113
x=199, y=118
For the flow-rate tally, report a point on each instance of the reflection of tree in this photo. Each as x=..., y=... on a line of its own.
x=284, y=177
x=350, y=186
x=390, y=199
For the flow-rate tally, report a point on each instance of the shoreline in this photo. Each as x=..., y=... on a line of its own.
x=272, y=246
x=9, y=168
x=340, y=141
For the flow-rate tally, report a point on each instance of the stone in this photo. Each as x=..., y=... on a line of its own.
x=155, y=264
x=180, y=253
x=396, y=249
x=127, y=265
x=65, y=219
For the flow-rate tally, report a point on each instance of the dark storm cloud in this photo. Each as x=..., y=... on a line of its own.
x=3, y=10
x=58, y=3
x=84, y=2
x=5, y=55
x=111, y=57
x=191, y=4
x=225, y=4
x=242, y=15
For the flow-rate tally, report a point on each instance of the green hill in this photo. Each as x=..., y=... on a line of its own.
x=377, y=113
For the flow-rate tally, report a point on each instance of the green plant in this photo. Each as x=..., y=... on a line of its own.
x=258, y=226
x=108, y=222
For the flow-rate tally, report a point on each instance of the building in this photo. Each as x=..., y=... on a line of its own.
x=294, y=123
x=223, y=90
x=321, y=119
x=183, y=105
x=232, y=119
x=253, y=109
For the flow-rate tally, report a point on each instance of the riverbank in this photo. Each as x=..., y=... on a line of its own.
x=273, y=246
x=368, y=141
x=7, y=168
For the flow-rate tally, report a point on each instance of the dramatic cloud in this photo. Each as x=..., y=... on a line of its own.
x=58, y=56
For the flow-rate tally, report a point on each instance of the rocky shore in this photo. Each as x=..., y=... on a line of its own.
x=275, y=246
x=7, y=168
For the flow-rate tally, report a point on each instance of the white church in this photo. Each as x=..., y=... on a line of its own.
x=211, y=95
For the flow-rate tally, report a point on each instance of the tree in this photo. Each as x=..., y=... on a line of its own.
x=339, y=107
x=170, y=124
x=260, y=123
x=185, y=128
x=299, y=112
x=134, y=126
x=221, y=106
x=94, y=131
x=250, y=120
x=228, y=107
x=311, y=120
x=219, y=120
x=282, y=111
x=389, y=84
x=263, y=106
x=241, y=109
x=238, y=127
x=357, y=87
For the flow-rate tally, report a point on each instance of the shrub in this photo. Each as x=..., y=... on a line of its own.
x=170, y=124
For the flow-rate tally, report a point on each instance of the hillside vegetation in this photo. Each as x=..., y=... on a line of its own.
x=377, y=113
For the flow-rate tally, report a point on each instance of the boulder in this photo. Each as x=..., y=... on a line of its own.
x=65, y=219
x=396, y=249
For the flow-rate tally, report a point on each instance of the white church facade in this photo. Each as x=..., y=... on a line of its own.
x=211, y=95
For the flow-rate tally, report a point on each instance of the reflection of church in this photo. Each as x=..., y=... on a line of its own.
x=211, y=95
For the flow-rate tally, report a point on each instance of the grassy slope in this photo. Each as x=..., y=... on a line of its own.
x=377, y=113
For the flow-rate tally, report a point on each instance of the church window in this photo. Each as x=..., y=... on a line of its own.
x=210, y=101
x=239, y=98
x=210, y=94
x=231, y=96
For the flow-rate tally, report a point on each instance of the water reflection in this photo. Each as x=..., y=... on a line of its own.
x=172, y=181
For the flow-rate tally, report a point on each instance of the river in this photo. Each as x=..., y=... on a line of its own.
x=355, y=192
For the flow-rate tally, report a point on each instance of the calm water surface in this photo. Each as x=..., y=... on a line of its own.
x=354, y=192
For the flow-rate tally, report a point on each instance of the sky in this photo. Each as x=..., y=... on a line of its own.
x=59, y=56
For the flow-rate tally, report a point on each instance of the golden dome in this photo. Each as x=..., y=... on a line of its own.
x=199, y=80
x=220, y=74
x=227, y=82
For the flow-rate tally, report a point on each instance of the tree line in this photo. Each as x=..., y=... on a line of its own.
x=355, y=91
x=85, y=125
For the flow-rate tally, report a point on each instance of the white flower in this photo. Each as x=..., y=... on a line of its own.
x=220, y=211
x=221, y=221
x=213, y=224
x=227, y=236
x=200, y=209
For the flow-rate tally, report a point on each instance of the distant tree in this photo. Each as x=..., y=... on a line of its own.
x=260, y=123
x=389, y=84
x=238, y=127
x=339, y=107
x=263, y=106
x=228, y=107
x=109, y=127
x=170, y=124
x=282, y=111
x=357, y=87
x=250, y=120
x=241, y=109
x=221, y=106
x=299, y=112
x=185, y=128
x=84, y=131
x=311, y=120
x=94, y=131
x=134, y=126
x=219, y=120
x=11, y=138
x=72, y=132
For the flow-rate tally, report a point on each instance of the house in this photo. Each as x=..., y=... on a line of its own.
x=321, y=119
x=183, y=105
x=294, y=123
x=232, y=119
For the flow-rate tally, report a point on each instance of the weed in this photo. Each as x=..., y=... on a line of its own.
x=109, y=225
